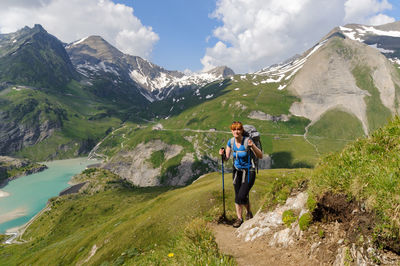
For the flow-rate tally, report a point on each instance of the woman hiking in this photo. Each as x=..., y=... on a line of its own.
x=244, y=174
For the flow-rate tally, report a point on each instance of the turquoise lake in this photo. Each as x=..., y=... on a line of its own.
x=29, y=194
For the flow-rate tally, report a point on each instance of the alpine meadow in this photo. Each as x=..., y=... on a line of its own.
x=327, y=190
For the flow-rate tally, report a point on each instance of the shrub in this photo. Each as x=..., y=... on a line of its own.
x=311, y=202
x=288, y=217
x=305, y=221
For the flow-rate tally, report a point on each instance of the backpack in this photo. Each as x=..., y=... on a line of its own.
x=251, y=132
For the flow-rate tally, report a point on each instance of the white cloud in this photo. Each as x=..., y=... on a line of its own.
x=258, y=33
x=362, y=10
x=74, y=19
x=380, y=19
x=23, y=3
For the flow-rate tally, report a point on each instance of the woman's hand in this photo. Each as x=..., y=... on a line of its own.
x=225, y=153
x=255, y=149
x=250, y=143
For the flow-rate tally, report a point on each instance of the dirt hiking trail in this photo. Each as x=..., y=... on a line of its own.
x=258, y=252
x=341, y=234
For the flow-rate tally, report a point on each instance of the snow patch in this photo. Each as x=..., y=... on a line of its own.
x=161, y=81
x=281, y=87
x=381, y=49
x=351, y=36
x=138, y=77
x=78, y=42
x=391, y=33
x=148, y=97
x=271, y=80
x=345, y=29
x=396, y=61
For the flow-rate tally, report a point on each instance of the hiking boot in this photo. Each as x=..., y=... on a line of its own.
x=249, y=215
x=237, y=223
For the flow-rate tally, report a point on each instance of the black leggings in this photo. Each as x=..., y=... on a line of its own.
x=242, y=189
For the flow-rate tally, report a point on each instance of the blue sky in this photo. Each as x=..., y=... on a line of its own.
x=186, y=29
x=395, y=11
x=183, y=27
x=196, y=35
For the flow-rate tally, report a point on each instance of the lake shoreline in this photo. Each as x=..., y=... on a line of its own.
x=31, y=171
x=17, y=232
x=34, y=192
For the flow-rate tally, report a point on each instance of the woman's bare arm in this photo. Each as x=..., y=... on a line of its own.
x=255, y=149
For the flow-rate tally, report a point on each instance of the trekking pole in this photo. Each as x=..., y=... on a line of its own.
x=223, y=186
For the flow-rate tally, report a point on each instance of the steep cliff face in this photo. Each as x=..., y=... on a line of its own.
x=28, y=121
x=14, y=135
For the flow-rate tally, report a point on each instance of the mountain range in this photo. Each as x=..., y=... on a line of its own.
x=157, y=130
x=62, y=100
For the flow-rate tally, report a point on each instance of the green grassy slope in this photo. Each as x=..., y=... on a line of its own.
x=368, y=170
x=334, y=130
x=204, y=118
x=140, y=226
x=229, y=104
x=74, y=118
x=378, y=114
x=118, y=224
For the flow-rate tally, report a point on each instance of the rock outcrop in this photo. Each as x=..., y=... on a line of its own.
x=267, y=117
x=11, y=168
x=15, y=135
x=135, y=165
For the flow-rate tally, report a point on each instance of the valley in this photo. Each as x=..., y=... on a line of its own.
x=328, y=121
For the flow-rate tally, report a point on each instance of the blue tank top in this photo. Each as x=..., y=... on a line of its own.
x=240, y=155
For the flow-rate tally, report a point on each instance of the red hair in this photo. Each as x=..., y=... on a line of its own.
x=237, y=125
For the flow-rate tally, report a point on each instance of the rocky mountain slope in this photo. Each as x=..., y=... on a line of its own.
x=94, y=57
x=44, y=89
x=343, y=79
x=33, y=57
x=47, y=115
x=334, y=85
x=384, y=38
